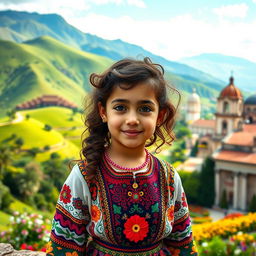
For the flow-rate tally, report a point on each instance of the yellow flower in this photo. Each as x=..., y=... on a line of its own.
x=49, y=247
x=71, y=254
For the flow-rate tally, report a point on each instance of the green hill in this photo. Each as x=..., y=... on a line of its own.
x=45, y=66
x=19, y=26
x=64, y=137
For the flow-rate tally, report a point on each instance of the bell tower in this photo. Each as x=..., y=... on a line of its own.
x=229, y=110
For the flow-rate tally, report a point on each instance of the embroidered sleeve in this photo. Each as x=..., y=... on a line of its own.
x=68, y=234
x=180, y=240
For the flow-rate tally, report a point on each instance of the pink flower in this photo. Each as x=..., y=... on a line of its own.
x=23, y=221
x=24, y=232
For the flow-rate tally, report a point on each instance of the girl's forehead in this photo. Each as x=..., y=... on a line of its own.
x=139, y=91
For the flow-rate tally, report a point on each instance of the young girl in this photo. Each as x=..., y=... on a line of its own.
x=122, y=200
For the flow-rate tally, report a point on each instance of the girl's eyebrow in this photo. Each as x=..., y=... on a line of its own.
x=139, y=102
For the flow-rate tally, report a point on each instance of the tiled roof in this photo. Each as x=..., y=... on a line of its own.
x=235, y=156
x=243, y=138
x=204, y=123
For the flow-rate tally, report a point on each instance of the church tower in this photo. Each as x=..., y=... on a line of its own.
x=229, y=110
x=193, y=107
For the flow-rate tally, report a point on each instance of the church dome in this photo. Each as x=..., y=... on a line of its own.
x=194, y=97
x=231, y=91
x=251, y=100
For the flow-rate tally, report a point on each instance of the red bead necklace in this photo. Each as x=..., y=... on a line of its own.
x=128, y=168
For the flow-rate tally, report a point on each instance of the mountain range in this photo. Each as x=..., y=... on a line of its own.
x=222, y=66
x=44, y=54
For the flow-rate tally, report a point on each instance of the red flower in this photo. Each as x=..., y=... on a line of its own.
x=184, y=201
x=23, y=247
x=136, y=228
x=77, y=203
x=65, y=194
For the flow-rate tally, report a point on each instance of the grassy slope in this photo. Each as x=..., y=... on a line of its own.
x=33, y=134
x=55, y=116
x=45, y=66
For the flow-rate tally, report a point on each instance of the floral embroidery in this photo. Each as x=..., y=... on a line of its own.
x=65, y=194
x=95, y=212
x=177, y=206
x=170, y=213
x=77, y=203
x=71, y=254
x=174, y=252
x=184, y=202
x=136, y=228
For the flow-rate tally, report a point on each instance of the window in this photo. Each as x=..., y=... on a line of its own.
x=225, y=107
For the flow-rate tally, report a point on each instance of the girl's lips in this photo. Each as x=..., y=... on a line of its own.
x=132, y=133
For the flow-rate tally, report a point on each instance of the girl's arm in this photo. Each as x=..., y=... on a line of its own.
x=69, y=235
x=180, y=241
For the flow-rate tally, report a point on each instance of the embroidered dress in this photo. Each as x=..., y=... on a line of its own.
x=121, y=213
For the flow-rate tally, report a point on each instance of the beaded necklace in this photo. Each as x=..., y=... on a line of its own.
x=128, y=169
x=134, y=170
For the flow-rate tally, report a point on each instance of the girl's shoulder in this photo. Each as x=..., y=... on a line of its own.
x=167, y=168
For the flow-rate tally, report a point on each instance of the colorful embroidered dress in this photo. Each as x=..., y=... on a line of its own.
x=122, y=214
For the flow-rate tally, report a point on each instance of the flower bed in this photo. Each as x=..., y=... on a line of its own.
x=26, y=232
x=224, y=228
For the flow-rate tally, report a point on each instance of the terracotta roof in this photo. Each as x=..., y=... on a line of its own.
x=204, y=123
x=235, y=156
x=231, y=91
x=249, y=128
x=242, y=138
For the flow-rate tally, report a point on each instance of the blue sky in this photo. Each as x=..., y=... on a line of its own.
x=172, y=29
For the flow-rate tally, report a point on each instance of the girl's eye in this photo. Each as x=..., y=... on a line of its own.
x=120, y=108
x=145, y=109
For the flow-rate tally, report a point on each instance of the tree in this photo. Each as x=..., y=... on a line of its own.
x=252, y=206
x=47, y=127
x=194, y=150
x=5, y=158
x=28, y=182
x=207, y=187
x=223, y=200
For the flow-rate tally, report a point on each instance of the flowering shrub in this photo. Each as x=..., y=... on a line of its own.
x=240, y=244
x=26, y=232
x=199, y=220
x=233, y=215
x=225, y=227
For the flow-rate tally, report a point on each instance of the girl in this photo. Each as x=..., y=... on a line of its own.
x=122, y=200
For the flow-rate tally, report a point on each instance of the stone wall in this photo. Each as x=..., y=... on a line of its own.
x=7, y=250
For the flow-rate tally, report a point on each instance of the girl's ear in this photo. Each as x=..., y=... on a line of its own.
x=102, y=112
x=160, y=117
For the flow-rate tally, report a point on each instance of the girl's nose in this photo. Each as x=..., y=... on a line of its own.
x=132, y=119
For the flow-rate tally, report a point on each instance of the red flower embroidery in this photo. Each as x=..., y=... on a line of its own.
x=170, y=213
x=77, y=203
x=184, y=202
x=95, y=213
x=65, y=194
x=136, y=228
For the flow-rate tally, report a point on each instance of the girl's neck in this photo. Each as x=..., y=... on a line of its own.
x=127, y=157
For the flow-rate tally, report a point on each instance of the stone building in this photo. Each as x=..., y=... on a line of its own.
x=45, y=101
x=232, y=145
x=193, y=107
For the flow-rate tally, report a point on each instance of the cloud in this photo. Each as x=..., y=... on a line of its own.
x=137, y=3
x=232, y=11
x=175, y=38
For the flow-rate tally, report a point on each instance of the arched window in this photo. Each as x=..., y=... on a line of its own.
x=225, y=107
x=224, y=127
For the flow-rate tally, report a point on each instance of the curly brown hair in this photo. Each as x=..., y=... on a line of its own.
x=126, y=74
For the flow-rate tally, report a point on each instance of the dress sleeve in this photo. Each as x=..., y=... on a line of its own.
x=180, y=241
x=69, y=235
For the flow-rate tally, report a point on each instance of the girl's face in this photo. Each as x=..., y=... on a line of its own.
x=131, y=116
